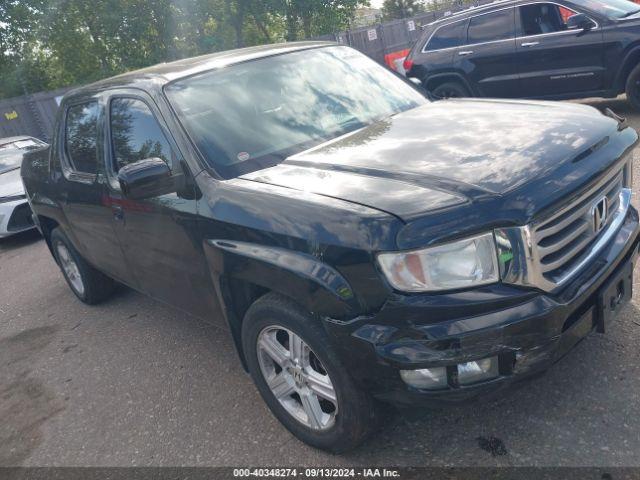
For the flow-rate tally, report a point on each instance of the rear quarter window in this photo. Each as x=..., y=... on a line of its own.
x=447, y=36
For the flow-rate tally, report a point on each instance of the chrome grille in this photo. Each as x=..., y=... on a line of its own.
x=561, y=241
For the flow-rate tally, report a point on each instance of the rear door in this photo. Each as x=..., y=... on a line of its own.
x=553, y=60
x=489, y=57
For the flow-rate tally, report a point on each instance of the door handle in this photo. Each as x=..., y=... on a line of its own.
x=465, y=53
x=530, y=44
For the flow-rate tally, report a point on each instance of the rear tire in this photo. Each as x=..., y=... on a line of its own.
x=633, y=88
x=88, y=284
x=450, y=90
x=341, y=415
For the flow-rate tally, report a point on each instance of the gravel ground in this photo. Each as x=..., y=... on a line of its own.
x=133, y=382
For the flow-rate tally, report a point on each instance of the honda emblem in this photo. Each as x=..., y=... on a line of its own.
x=600, y=212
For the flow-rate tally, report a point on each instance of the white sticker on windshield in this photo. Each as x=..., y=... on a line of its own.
x=243, y=156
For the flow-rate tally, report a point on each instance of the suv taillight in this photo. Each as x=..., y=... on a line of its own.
x=407, y=64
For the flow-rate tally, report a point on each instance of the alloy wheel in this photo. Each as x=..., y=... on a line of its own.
x=70, y=268
x=297, y=378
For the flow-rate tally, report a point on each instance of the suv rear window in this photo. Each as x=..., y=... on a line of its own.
x=491, y=27
x=81, y=137
x=447, y=36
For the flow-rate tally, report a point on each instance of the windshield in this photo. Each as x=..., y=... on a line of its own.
x=10, y=160
x=255, y=114
x=612, y=8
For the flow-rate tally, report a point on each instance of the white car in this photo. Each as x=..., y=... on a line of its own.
x=15, y=213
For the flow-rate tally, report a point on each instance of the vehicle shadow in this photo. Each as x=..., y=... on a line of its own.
x=20, y=240
x=619, y=105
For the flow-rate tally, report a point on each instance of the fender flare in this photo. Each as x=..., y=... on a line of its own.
x=302, y=277
x=451, y=75
x=631, y=59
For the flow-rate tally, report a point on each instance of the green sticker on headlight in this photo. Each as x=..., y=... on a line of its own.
x=505, y=257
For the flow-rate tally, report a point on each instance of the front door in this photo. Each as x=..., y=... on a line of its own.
x=553, y=60
x=489, y=57
x=157, y=234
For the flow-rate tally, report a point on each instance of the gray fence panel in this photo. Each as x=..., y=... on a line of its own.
x=32, y=115
x=370, y=40
x=396, y=35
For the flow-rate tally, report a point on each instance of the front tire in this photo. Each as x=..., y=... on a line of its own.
x=301, y=379
x=88, y=284
x=633, y=88
x=450, y=90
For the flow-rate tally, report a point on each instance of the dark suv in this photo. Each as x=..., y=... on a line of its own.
x=360, y=242
x=533, y=49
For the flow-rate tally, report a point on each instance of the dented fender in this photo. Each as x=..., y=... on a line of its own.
x=315, y=285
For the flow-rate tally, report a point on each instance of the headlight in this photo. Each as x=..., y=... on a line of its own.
x=461, y=264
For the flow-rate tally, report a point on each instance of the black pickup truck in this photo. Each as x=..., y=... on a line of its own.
x=361, y=243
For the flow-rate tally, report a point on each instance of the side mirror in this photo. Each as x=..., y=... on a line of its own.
x=148, y=178
x=580, y=21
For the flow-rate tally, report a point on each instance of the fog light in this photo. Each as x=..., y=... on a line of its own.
x=472, y=372
x=425, y=378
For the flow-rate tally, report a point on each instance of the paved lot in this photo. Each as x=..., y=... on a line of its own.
x=132, y=382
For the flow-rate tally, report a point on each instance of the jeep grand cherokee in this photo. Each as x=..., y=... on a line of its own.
x=533, y=49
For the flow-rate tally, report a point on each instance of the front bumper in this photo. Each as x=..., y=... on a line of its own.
x=527, y=329
x=15, y=217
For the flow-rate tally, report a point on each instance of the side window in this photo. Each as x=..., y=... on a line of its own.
x=135, y=133
x=81, y=137
x=490, y=27
x=447, y=36
x=541, y=18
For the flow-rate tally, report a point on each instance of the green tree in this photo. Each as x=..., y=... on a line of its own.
x=46, y=44
x=392, y=9
x=18, y=21
x=309, y=18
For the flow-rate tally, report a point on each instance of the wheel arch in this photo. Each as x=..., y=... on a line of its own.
x=631, y=60
x=46, y=225
x=435, y=81
x=244, y=272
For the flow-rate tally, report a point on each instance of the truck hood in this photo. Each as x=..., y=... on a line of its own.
x=11, y=183
x=446, y=154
